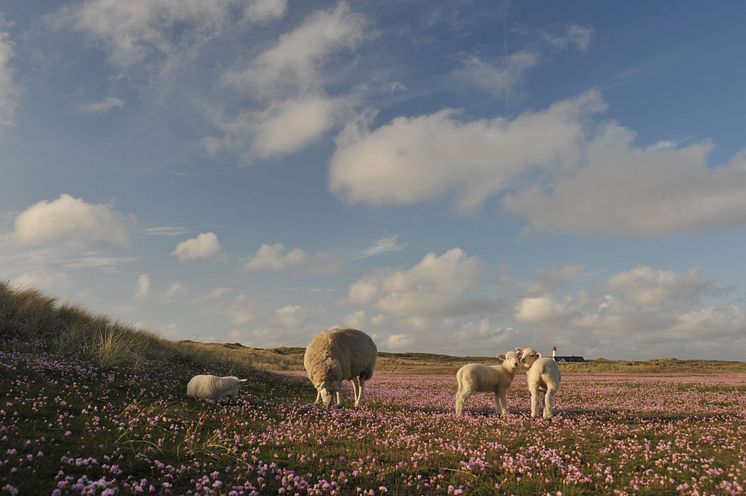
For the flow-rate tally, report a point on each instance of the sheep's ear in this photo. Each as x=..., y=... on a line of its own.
x=519, y=352
x=538, y=355
x=241, y=381
x=501, y=357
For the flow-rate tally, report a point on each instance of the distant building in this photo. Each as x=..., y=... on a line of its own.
x=568, y=358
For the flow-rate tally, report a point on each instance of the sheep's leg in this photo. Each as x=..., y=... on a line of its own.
x=461, y=397
x=355, y=389
x=534, y=389
x=360, y=390
x=549, y=400
x=318, y=397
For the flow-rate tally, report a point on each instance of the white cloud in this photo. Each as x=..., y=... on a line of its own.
x=413, y=159
x=205, y=245
x=136, y=30
x=215, y=294
x=294, y=317
x=264, y=10
x=275, y=257
x=165, y=231
x=641, y=312
x=46, y=280
x=287, y=126
x=544, y=309
x=294, y=64
x=437, y=285
x=398, y=341
x=499, y=77
x=622, y=190
x=383, y=245
x=143, y=286
x=108, y=103
x=548, y=279
x=291, y=76
x=644, y=286
x=579, y=36
x=72, y=219
x=241, y=310
x=174, y=292
x=8, y=90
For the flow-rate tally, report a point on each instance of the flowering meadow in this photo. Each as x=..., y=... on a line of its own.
x=70, y=428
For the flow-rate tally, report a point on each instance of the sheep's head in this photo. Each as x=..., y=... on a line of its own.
x=528, y=356
x=509, y=360
x=328, y=390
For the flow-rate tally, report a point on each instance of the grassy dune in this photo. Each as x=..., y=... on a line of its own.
x=93, y=406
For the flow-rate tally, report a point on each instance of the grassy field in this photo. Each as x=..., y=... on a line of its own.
x=89, y=406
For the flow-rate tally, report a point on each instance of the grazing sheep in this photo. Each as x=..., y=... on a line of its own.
x=475, y=377
x=339, y=354
x=212, y=387
x=543, y=376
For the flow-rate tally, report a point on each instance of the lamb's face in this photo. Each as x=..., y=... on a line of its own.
x=328, y=389
x=510, y=360
x=528, y=356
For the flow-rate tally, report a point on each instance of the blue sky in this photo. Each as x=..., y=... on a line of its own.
x=450, y=178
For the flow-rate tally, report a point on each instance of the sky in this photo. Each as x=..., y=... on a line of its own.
x=450, y=177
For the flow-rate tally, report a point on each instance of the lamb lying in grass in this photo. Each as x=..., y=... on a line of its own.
x=212, y=387
x=543, y=377
x=339, y=354
x=475, y=377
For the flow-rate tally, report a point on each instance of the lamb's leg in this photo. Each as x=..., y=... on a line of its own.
x=502, y=401
x=549, y=400
x=318, y=397
x=534, y=389
x=339, y=398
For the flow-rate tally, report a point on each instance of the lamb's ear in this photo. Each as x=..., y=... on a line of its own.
x=501, y=357
x=241, y=381
x=538, y=355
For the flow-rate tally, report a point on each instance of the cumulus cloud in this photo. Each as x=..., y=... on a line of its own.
x=384, y=245
x=287, y=126
x=275, y=257
x=420, y=158
x=241, y=310
x=624, y=190
x=643, y=310
x=398, y=341
x=548, y=279
x=8, y=90
x=72, y=219
x=437, y=285
x=205, y=245
x=108, y=103
x=295, y=62
x=174, y=292
x=143, y=286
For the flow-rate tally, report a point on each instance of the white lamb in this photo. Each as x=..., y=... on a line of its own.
x=475, y=377
x=543, y=377
x=212, y=387
x=339, y=354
